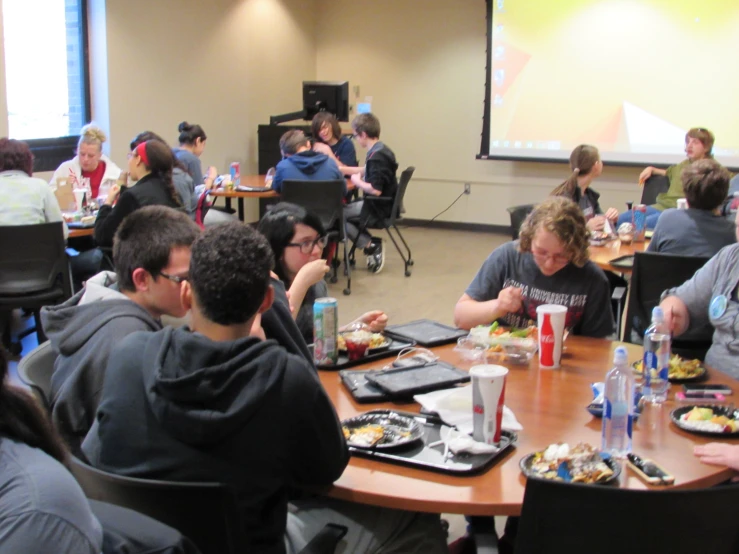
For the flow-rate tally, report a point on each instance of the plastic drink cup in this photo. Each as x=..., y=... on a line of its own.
x=235, y=172
x=79, y=199
x=356, y=345
x=488, y=397
x=682, y=204
x=551, y=324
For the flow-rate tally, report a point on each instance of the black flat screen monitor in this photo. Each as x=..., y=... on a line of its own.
x=329, y=96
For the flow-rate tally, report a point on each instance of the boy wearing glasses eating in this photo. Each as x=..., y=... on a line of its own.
x=151, y=250
x=549, y=264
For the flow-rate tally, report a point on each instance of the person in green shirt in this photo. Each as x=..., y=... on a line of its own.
x=698, y=145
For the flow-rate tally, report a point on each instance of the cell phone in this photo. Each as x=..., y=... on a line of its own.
x=714, y=388
x=699, y=395
x=648, y=471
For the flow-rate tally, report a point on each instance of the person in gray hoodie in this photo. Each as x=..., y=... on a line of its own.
x=218, y=403
x=152, y=256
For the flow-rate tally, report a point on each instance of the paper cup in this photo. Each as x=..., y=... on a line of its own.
x=551, y=324
x=79, y=198
x=488, y=396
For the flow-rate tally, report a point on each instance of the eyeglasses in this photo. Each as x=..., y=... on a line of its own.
x=174, y=278
x=543, y=256
x=307, y=246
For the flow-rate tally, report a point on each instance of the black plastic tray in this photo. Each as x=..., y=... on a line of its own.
x=419, y=455
x=396, y=345
x=425, y=332
x=416, y=380
x=364, y=392
x=623, y=262
x=80, y=225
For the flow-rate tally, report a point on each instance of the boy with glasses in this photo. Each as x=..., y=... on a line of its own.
x=151, y=253
x=549, y=264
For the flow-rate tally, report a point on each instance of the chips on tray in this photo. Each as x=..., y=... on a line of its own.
x=581, y=464
x=680, y=369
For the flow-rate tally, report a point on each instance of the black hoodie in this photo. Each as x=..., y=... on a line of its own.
x=181, y=407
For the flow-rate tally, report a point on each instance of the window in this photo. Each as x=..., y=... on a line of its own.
x=46, y=75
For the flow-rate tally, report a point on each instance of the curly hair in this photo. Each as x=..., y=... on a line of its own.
x=15, y=155
x=229, y=272
x=145, y=238
x=563, y=218
x=705, y=184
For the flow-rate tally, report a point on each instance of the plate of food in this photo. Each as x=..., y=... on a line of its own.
x=376, y=341
x=599, y=238
x=581, y=464
x=381, y=430
x=680, y=371
x=707, y=420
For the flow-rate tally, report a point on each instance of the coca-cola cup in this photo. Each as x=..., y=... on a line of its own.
x=488, y=395
x=551, y=323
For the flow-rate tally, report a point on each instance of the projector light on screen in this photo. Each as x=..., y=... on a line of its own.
x=630, y=77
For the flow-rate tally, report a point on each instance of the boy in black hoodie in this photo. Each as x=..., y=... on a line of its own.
x=216, y=404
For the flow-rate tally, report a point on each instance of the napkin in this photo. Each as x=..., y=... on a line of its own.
x=461, y=442
x=454, y=407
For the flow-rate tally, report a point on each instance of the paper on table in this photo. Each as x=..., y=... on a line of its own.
x=454, y=407
x=608, y=228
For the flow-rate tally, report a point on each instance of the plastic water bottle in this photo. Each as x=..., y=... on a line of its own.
x=618, y=409
x=657, y=344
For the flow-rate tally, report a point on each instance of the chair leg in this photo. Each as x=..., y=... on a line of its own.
x=408, y=248
x=40, y=335
x=347, y=265
x=407, y=260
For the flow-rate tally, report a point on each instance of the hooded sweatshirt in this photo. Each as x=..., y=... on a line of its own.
x=82, y=332
x=306, y=166
x=244, y=413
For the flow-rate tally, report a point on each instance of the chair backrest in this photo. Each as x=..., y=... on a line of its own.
x=35, y=370
x=398, y=206
x=33, y=258
x=324, y=198
x=206, y=513
x=518, y=215
x=653, y=186
x=579, y=519
x=652, y=274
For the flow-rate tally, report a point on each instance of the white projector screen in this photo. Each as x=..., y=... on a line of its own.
x=629, y=76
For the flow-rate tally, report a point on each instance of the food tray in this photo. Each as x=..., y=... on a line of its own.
x=425, y=332
x=728, y=411
x=409, y=381
x=432, y=458
x=364, y=392
x=80, y=225
x=395, y=346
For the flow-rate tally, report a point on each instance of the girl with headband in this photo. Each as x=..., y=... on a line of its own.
x=150, y=164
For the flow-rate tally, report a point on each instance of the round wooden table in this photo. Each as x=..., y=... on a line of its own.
x=81, y=232
x=550, y=404
x=602, y=255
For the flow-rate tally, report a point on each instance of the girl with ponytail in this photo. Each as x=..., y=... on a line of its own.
x=586, y=167
x=150, y=164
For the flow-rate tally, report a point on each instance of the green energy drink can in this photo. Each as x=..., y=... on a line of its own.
x=325, y=331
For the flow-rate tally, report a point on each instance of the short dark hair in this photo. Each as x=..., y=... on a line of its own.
x=705, y=184
x=15, y=155
x=144, y=136
x=145, y=239
x=190, y=132
x=367, y=123
x=291, y=141
x=229, y=272
x=278, y=227
x=321, y=119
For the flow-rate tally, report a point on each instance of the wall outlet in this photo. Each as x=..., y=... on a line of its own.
x=467, y=187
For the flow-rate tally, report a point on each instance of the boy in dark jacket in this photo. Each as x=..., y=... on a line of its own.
x=217, y=403
x=301, y=163
x=152, y=253
x=377, y=178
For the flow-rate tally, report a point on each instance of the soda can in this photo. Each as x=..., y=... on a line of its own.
x=235, y=174
x=325, y=331
x=639, y=215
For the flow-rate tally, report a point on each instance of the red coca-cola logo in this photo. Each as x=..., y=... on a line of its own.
x=547, y=338
x=478, y=409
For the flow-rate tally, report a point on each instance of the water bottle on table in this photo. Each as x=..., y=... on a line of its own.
x=618, y=409
x=656, y=366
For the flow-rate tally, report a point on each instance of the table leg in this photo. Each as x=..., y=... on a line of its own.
x=241, y=209
x=228, y=204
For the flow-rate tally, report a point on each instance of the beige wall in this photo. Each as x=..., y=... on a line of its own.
x=423, y=64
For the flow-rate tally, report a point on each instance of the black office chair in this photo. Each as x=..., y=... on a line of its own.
x=653, y=186
x=207, y=513
x=35, y=370
x=583, y=519
x=325, y=199
x=518, y=215
x=652, y=274
x=34, y=272
x=375, y=216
